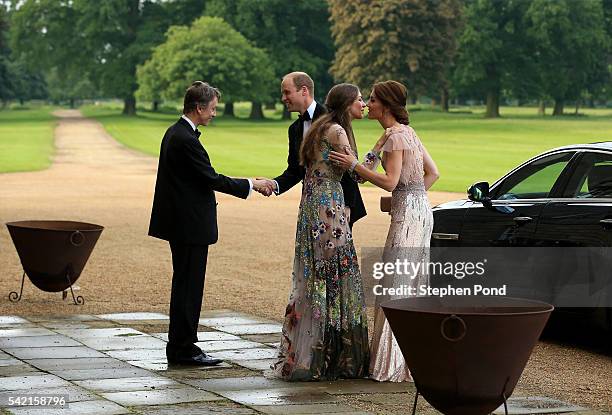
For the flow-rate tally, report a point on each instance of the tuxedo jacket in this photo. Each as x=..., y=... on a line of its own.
x=295, y=172
x=184, y=204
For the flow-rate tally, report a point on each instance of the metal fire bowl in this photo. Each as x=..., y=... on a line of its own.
x=52, y=250
x=466, y=354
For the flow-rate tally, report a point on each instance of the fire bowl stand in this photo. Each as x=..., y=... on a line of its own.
x=78, y=300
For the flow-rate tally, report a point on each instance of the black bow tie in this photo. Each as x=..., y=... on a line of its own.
x=305, y=116
x=197, y=133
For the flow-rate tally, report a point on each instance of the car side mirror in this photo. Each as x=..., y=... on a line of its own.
x=479, y=192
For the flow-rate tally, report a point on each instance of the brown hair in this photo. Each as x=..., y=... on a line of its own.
x=393, y=95
x=301, y=79
x=199, y=93
x=338, y=102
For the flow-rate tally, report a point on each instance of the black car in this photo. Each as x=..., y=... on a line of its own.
x=562, y=197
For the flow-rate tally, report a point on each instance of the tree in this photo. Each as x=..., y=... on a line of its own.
x=68, y=87
x=43, y=34
x=494, y=51
x=295, y=37
x=101, y=41
x=17, y=80
x=5, y=79
x=572, y=48
x=411, y=41
x=209, y=50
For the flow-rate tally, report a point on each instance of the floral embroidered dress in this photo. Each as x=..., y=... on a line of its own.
x=325, y=333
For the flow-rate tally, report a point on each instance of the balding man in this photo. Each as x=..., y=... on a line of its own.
x=297, y=89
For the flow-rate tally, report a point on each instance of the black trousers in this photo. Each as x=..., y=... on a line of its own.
x=189, y=265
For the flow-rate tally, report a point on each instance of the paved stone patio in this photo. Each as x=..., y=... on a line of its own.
x=115, y=364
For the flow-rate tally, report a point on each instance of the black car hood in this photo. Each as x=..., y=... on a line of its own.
x=455, y=204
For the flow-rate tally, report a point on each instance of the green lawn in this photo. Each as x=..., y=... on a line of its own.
x=466, y=147
x=26, y=139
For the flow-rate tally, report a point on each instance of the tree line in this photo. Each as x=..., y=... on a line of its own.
x=492, y=51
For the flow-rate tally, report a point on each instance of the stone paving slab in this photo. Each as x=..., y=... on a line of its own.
x=133, y=316
x=5, y=356
x=319, y=408
x=346, y=386
x=70, y=352
x=521, y=405
x=129, y=384
x=263, y=338
x=8, y=360
x=201, y=408
x=96, y=407
x=100, y=332
x=104, y=373
x=124, y=342
x=21, y=326
x=160, y=397
x=223, y=312
x=12, y=320
x=37, y=341
x=17, y=332
x=55, y=325
x=241, y=329
x=75, y=394
x=78, y=363
x=220, y=345
x=279, y=396
x=258, y=364
x=69, y=317
x=13, y=383
x=17, y=368
x=162, y=365
x=245, y=383
x=245, y=354
x=232, y=321
x=138, y=354
x=203, y=336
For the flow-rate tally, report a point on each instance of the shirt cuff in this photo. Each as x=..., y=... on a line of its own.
x=277, y=190
x=250, y=187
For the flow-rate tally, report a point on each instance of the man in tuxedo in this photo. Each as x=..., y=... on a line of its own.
x=297, y=90
x=185, y=214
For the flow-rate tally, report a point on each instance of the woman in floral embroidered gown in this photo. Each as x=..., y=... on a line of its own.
x=325, y=329
x=409, y=172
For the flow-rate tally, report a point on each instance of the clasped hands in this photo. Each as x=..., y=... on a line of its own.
x=264, y=186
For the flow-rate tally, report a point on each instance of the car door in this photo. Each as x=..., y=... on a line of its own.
x=582, y=217
x=517, y=200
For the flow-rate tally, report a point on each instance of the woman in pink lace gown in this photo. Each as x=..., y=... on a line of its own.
x=409, y=172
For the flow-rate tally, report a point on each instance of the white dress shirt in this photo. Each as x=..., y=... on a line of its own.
x=310, y=110
x=194, y=128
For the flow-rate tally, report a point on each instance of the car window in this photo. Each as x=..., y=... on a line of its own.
x=592, y=177
x=536, y=179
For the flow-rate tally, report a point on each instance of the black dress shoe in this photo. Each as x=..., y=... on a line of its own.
x=198, y=360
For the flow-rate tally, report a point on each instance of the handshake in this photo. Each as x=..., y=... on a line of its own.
x=264, y=186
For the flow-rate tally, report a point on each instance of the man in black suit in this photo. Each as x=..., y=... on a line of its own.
x=185, y=214
x=297, y=89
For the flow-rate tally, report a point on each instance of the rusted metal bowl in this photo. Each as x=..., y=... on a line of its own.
x=466, y=354
x=53, y=253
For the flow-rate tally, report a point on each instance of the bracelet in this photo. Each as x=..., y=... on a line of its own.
x=353, y=165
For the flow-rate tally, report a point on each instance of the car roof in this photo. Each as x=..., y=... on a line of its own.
x=600, y=145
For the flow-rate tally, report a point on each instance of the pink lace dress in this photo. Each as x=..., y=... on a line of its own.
x=409, y=234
